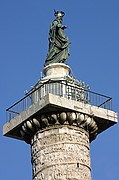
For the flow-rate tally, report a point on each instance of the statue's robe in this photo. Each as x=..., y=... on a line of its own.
x=58, y=44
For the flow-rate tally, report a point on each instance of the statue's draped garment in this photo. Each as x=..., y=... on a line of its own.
x=58, y=44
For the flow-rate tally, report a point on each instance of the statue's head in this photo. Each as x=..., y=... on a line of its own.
x=59, y=14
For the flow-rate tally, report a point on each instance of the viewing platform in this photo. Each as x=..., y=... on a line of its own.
x=57, y=92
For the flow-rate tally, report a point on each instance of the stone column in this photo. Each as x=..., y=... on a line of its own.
x=60, y=139
x=59, y=125
x=61, y=153
x=60, y=145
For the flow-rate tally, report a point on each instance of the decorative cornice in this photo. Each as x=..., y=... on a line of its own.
x=31, y=126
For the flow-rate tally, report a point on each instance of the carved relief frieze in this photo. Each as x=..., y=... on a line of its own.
x=62, y=155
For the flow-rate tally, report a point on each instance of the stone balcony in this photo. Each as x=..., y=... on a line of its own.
x=58, y=93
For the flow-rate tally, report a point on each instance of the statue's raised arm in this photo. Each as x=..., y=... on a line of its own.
x=58, y=42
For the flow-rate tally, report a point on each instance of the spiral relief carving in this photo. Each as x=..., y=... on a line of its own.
x=61, y=153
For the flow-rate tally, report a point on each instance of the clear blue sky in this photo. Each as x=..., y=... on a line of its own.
x=94, y=34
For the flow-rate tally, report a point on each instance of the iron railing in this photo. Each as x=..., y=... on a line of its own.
x=62, y=89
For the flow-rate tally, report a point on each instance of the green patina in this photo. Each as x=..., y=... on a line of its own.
x=58, y=51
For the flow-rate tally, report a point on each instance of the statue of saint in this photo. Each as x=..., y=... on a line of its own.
x=58, y=42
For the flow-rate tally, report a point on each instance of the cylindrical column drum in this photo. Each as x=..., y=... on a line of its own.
x=61, y=153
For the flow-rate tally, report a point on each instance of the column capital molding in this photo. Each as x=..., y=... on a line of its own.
x=46, y=120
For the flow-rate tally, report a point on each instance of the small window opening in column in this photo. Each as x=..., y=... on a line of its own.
x=78, y=165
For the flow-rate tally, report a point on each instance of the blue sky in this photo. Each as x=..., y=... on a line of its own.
x=94, y=35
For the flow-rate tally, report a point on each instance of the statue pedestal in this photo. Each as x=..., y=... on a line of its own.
x=56, y=70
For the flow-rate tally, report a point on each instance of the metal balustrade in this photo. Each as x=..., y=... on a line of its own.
x=60, y=88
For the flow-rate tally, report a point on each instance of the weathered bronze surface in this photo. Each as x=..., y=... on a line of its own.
x=58, y=51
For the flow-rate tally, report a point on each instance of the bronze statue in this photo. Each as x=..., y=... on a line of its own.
x=58, y=42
